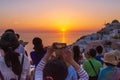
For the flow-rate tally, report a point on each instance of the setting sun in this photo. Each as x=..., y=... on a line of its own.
x=57, y=15
x=63, y=29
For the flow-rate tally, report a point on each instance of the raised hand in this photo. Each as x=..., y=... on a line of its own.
x=67, y=56
x=50, y=51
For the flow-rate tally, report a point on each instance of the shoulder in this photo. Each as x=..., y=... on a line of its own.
x=86, y=62
x=44, y=51
x=97, y=63
x=71, y=68
x=20, y=47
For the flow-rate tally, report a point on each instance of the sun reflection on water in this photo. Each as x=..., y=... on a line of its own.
x=63, y=37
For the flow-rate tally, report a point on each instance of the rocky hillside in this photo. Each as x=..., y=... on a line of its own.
x=111, y=32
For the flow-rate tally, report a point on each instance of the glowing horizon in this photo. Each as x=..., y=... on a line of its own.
x=48, y=15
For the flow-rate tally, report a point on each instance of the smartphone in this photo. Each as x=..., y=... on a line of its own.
x=59, y=45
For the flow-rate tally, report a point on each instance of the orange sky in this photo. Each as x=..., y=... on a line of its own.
x=57, y=15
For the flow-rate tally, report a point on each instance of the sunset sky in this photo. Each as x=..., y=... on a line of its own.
x=57, y=14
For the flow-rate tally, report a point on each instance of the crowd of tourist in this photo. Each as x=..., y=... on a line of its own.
x=56, y=62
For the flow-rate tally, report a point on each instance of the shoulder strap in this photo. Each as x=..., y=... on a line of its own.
x=92, y=67
x=21, y=66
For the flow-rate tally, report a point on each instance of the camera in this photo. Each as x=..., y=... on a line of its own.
x=59, y=45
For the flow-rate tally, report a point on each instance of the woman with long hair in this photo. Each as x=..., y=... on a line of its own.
x=11, y=66
x=38, y=52
x=77, y=55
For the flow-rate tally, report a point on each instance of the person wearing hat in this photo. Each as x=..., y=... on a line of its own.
x=110, y=71
x=117, y=54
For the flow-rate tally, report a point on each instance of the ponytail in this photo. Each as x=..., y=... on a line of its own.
x=12, y=60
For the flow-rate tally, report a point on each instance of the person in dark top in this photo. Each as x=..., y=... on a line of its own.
x=99, y=50
x=38, y=52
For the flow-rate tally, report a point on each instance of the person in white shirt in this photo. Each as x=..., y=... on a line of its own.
x=12, y=64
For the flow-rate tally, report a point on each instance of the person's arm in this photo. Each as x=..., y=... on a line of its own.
x=39, y=70
x=67, y=55
x=41, y=65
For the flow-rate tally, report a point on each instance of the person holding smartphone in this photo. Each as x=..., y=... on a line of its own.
x=40, y=73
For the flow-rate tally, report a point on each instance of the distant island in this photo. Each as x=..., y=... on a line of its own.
x=110, y=33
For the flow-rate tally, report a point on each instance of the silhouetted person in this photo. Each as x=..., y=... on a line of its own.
x=38, y=52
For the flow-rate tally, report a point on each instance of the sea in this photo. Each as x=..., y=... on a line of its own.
x=49, y=38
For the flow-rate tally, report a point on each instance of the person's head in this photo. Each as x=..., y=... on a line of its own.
x=110, y=59
x=91, y=53
x=76, y=49
x=9, y=30
x=9, y=43
x=38, y=46
x=76, y=53
x=37, y=42
x=55, y=69
x=9, y=40
x=99, y=49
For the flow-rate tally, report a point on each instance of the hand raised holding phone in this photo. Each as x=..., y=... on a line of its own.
x=59, y=45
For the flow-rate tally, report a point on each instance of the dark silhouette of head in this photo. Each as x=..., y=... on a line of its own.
x=92, y=52
x=38, y=46
x=99, y=49
x=76, y=53
x=9, y=43
x=56, y=69
x=10, y=30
